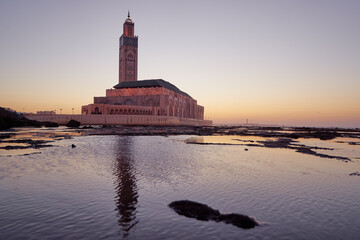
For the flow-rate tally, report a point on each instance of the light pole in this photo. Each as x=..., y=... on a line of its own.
x=73, y=111
x=60, y=110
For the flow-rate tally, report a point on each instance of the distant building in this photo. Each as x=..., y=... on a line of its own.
x=146, y=97
x=45, y=113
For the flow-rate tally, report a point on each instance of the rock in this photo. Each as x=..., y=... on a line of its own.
x=326, y=135
x=194, y=210
x=10, y=119
x=205, y=213
x=50, y=124
x=73, y=146
x=246, y=149
x=87, y=127
x=5, y=135
x=355, y=174
x=73, y=123
x=239, y=220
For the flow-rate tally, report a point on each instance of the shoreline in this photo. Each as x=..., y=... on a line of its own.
x=284, y=138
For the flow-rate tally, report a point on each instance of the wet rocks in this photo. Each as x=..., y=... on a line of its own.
x=308, y=150
x=279, y=143
x=325, y=135
x=87, y=127
x=203, y=212
x=239, y=220
x=195, y=210
x=34, y=144
x=355, y=174
x=73, y=124
x=50, y=124
x=6, y=135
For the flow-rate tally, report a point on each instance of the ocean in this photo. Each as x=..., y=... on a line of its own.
x=119, y=187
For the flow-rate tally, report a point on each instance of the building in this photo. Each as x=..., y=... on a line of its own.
x=46, y=112
x=141, y=97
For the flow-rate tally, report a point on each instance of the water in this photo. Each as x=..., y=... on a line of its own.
x=115, y=187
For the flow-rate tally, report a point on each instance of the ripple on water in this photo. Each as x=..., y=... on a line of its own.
x=112, y=187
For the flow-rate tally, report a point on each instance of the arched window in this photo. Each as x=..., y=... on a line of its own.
x=96, y=110
x=150, y=103
x=129, y=102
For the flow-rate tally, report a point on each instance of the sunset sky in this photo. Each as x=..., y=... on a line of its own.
x=285, y=62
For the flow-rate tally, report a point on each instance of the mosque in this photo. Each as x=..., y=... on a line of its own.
x=131, y=96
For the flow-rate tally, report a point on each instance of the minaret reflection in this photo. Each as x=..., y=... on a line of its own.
x=125, y=183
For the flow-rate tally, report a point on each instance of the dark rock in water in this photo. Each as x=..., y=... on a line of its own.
x=50, y=124
x=195, y=210
x=246, y=149
x=326, y=135
x=5, y=135
x=355, y=174
x=205, y=213
x=87, y=127
x=239, y=220
x=73, y=123
x=73, y=145
x=293, y=135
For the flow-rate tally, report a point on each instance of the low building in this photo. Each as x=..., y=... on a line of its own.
x=45, y=112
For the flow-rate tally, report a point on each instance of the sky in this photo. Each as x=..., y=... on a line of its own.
x=281, y=62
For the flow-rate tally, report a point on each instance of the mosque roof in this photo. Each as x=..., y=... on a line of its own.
x=150, y=83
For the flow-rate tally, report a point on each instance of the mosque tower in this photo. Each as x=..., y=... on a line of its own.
x=128, y=53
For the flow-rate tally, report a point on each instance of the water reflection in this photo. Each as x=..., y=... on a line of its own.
x=125, y=184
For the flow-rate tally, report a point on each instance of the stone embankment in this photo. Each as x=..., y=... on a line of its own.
x=130, y=120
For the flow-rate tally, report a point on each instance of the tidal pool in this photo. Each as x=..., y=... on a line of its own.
x=114, y=187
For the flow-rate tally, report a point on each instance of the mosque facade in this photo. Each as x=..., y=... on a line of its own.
x=141, y=97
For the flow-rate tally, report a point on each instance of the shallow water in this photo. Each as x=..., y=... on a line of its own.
x=113, y=187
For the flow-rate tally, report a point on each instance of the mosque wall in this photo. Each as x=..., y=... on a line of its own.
x=145, y=101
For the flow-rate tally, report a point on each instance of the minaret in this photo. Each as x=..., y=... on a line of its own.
x=128, y=53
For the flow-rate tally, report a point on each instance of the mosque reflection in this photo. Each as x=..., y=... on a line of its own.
x=125, y=183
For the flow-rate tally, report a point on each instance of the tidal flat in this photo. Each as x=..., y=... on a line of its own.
x=118, y=182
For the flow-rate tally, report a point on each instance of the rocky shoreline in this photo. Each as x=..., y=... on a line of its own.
x=282, y=137
x=285, y=137
x=241, y=130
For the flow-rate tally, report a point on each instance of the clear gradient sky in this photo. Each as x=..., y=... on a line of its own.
x=286, y=62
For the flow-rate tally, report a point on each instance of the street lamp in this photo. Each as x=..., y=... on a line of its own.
x=73, y=111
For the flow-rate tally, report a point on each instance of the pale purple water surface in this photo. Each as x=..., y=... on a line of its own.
x=114, y=187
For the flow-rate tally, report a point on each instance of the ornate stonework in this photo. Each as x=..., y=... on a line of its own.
x=128, y=53
x=146, y=97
